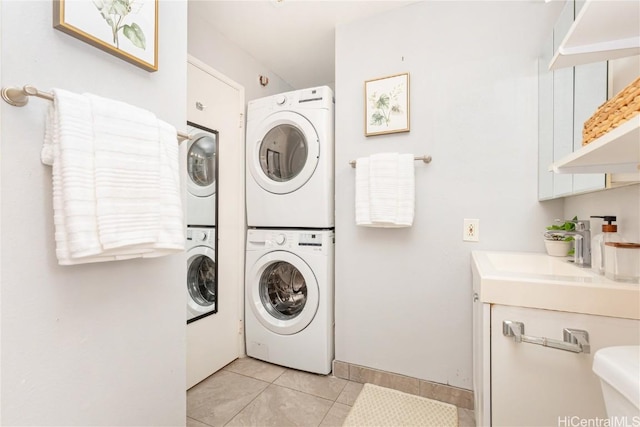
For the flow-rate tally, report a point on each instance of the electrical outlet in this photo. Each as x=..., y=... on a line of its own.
x=471, y=231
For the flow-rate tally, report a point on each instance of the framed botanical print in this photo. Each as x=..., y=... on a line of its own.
x=127, y=29
x=386, y=105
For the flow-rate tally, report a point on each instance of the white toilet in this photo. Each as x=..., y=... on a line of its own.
x=619, y=372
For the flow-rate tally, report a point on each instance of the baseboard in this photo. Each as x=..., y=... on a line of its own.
x=460, y=397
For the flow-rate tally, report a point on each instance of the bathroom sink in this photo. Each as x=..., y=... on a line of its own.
x=535, y=264
x=537, y=280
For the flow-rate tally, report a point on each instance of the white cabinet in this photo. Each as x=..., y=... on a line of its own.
x=524, y=384
x=545, y=123
x=590, y=91
x=567, y=97
x=532, y=385
x=601, y=31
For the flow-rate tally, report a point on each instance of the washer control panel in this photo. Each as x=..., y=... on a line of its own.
x=200, y=236
x=298, y=240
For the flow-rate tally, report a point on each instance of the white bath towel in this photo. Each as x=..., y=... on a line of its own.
x=127, y=171
x=68, y=148
x=171, y=225
x=390, y=190
x=363, y=211
x=116, y=185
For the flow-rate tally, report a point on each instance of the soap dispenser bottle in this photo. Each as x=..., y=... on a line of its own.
x=609, y=234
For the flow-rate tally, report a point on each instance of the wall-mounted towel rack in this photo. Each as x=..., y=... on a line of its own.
x=425, y=158
x=19, y=97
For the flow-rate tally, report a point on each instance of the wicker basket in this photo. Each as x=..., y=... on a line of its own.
x=613, y=113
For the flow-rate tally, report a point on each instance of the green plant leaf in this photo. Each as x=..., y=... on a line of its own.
x=376, y=118
x=134, y=33
x=121, y=7
x=383, y=101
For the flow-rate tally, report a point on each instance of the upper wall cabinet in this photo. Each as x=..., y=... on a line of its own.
x=617, y=152
x=602, y=30
x=567, y=98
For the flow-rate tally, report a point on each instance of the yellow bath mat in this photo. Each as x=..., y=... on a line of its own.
x=380, y=406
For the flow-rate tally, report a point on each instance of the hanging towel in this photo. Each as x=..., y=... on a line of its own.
x=127, y=171
x=171, y=226
x=389, y=189
x=68, y=148
x=363, y=212
x=116, y=185
x=406, y=190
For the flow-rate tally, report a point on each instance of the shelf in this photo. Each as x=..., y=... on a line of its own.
x=617, y=151
x=602, y=30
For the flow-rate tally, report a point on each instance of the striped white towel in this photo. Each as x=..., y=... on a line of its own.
x=363, y=212
x=127, y=159
x=116, y=181
x=171, y=226
x=68, y=148
x=385, y=190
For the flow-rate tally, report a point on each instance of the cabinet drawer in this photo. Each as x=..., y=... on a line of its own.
x=533, y=385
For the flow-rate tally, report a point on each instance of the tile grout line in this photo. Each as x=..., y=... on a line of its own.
x=197, y=420
x=304, y=392
x=249, y=403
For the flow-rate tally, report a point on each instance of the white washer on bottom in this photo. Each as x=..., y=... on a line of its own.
x=289, y=289
x=202, y=288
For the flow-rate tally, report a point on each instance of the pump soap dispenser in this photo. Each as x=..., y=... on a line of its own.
x=609, y=234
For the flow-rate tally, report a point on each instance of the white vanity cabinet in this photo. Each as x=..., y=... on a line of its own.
x=525, y=384
x=532, y=385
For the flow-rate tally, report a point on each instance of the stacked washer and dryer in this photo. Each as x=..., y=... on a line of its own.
x=202, y=291
x=289, y=285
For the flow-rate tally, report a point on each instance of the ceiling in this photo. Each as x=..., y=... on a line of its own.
x=293, y=38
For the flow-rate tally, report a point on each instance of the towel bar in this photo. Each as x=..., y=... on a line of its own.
x=20, y=97
x=425, y=158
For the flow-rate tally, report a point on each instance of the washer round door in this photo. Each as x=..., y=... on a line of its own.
x=285, y=152
x=282, y=292
x=201, y=163
x=202, y=289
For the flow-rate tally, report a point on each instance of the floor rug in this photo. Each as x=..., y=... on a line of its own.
x=380, y=406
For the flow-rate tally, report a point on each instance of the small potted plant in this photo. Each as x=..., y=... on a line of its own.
x=556, y=241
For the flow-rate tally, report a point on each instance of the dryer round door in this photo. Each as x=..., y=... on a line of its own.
x=284, y=153
x=282, y=292
x=201, y=163
x=201, y=281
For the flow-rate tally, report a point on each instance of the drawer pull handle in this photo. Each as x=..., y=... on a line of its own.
x=574, y=340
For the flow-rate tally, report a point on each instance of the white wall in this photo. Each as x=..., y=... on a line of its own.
x=403, y=296
x=221, y=54
x=97, y=344
x=623, y=202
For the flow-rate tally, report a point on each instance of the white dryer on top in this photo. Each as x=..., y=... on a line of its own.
x=290, y=146
x=202, y=172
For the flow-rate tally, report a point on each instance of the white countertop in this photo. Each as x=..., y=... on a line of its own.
x=537, y=280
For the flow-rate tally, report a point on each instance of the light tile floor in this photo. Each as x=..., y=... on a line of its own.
x=249, y=392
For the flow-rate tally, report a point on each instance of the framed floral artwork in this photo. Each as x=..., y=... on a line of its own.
x=386, y=105
x=127, y=29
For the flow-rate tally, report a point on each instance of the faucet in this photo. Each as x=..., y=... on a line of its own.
x=582, y=236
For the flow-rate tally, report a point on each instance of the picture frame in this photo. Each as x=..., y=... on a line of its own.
x=127, y=29
x=386, y=102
